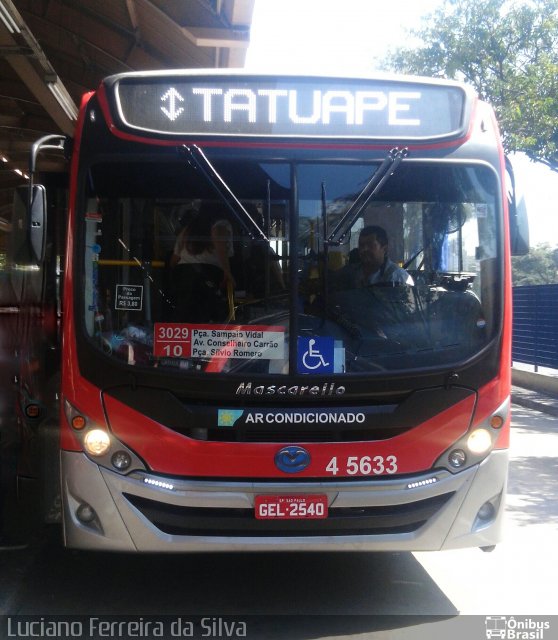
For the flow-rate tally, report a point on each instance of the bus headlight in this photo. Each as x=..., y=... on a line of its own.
x=100, y=445
x=475, y=445
x=121, y=460
x=96, y=442
x=479, y=441
x=457, y=458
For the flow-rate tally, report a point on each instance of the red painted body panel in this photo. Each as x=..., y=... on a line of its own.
x=168, y=452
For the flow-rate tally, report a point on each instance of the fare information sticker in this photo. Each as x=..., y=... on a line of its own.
x=248, y=342
x=129, y=297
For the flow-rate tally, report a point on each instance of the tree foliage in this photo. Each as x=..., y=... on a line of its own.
x=540, y=266
x=508, y=51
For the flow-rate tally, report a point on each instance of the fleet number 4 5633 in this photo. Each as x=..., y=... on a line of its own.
x=362, y=466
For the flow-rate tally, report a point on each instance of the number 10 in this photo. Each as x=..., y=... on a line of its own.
x=174, y=350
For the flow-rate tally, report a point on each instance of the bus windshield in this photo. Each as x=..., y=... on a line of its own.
x=172, y=279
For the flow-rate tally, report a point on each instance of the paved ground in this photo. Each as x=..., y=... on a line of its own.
x=535, y=400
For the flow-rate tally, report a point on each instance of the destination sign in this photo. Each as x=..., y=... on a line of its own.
x=290, y=107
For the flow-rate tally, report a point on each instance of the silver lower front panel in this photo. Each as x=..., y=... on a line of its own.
x=150, y=513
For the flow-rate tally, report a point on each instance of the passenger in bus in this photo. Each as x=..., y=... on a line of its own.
x=202, y=274
x=371, y=264
x=256, y=265
x=263, y=257
x=206, y=238
x=185, y=219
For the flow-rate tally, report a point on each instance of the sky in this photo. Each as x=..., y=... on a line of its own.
x=349, y=37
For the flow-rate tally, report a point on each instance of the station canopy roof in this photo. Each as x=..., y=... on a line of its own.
x=53, y=51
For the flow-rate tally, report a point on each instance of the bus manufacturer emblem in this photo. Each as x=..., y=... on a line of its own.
x=292, y=459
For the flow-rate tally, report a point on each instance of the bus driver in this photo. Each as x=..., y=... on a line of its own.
x=373, y=265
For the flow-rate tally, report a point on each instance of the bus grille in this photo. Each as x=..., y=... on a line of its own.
x=347, y=521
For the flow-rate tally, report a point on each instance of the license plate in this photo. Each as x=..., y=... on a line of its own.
x=291, y=507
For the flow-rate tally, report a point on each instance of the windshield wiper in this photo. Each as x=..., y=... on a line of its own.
x=375, y=184
x=201, y=162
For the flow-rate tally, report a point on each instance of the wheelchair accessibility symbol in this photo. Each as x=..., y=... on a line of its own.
x=315, y=355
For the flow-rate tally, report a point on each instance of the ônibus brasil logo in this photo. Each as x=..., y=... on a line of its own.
x=512, y=628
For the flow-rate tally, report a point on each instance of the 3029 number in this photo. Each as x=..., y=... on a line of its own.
x=165, y=332
x=363, y=465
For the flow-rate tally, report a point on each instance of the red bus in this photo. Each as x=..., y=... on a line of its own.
x=331, y=369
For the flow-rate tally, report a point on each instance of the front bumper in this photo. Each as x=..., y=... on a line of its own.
x=149, y=513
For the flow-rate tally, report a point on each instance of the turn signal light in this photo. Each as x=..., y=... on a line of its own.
x=32, y=410
x=78, y=422
x=496, y=422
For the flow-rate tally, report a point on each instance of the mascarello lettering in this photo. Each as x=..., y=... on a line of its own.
x=327, y=389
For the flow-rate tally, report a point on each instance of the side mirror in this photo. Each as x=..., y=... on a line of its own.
x=38, y=222
x=519, y=224
x=36, y=195
x=29, y=225
x=519, y=229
